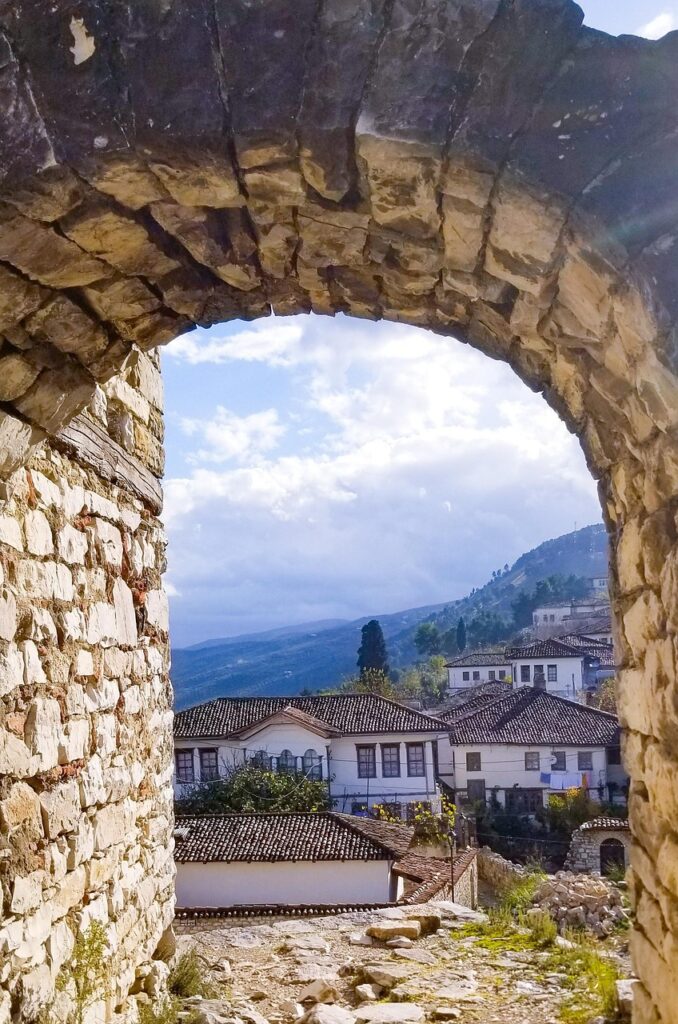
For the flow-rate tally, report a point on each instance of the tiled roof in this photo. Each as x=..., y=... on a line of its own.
x=473, y=699
x=605, y=823
x=350, y=713
x=590, y=646
x=531, y=716
x=284, y=837
x=396, y=838
x=478, y=658
x=551, y=648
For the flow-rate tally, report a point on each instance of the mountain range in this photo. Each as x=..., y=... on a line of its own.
x=318, y=655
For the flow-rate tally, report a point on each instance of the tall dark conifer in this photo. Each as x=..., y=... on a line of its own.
x=372, y=651
x=461, y=636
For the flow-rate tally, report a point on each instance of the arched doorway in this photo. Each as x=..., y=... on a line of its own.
x=515, y=188
x=612, y=856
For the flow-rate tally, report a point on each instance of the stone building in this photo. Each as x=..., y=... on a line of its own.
x=599, y=845
x=497, y=172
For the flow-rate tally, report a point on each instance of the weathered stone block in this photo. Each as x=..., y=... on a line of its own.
x=61, y=808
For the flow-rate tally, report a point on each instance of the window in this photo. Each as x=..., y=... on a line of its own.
x=524, y=673
x=360, y=809
x=367, y=762
x=552, y=673
x=524, y=801
x=502, y=673
x=552, y=618
x=393, y=810
x=585, y=760
x=532, y=761
x=473, y=761
x=415, y=759
x=312, y=763
x=261, y=759
x=475, y=791
x=491, y=674
x=476, y=676
x=287, y=762
x=546, y=618
x=390, y=760
x=184, y=765
x=614, y=755
x=465, y=676
x=209, y=765
x=558, y=761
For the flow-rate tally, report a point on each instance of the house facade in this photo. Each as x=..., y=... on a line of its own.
x=368, y=749
x=525, y=746
x=477, y=667
x=230, y=860
x=565, y=666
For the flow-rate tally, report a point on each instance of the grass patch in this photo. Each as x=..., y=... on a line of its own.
x=165, y=1012
x=543, y=929
x=591, y=979
x=519, y=896
x=187, y=977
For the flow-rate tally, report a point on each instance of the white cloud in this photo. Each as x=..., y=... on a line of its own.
x=229, y=437
x=413, y=466
x=659, y=26
x=267, y=341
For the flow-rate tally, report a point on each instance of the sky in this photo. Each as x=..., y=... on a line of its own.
x=333, y=468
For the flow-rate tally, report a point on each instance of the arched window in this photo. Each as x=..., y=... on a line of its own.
x=261, y=759
x=287, y=762
x=313, y=764
x=612, y=855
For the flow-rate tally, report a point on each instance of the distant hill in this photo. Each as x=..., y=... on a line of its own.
x=317, y=655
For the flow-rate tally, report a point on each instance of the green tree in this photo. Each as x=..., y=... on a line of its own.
x=461, y=636
x=372, y=680
x=427, y=639
x=486, y=628
x=372, y=651
x=554, y=588
x=250, y=787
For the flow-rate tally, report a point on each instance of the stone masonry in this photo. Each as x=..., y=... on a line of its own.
x=584, y=852
x=488, y=169
x=85, y=719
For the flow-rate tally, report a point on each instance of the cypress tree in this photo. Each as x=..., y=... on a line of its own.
x=461, y=636
x=372, y=651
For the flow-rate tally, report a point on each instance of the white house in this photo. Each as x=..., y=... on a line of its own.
x=566, y=666
x=529, y=744
x=477, y=667
x=228, y=860
x=572, y=615
x=368, y=749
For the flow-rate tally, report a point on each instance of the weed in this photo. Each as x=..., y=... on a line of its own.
x=543, y=929
x=615, y=872
x=187, y=977
x=165, y=1012
x=518, y=897
x=88, y=970
x=590, y=978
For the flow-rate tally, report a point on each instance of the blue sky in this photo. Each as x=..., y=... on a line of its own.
x=330, y=468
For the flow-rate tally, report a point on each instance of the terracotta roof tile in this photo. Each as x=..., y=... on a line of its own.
x=605, y=823
x=531, y=716
x=285, y=837
x=355, y=714
x=478, y=658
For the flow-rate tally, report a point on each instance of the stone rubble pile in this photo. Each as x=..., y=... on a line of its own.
x=581, y=901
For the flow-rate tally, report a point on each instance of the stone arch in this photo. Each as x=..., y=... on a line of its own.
x=492, y=170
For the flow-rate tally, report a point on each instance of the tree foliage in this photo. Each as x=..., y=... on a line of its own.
x=486, y=628
x=372, y=680
x=553, y=588
x=372, y=651
x=428, y=639
x=605, y=699
x=461, y=636
x=251, y=788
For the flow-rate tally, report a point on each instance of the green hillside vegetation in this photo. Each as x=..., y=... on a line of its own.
x=320, y=656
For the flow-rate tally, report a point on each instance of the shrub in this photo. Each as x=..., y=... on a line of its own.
x=162, y=1013
x=543, y=929
x=187, y=977
x=88, y=970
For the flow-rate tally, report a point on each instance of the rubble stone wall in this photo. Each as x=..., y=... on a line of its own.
x=584, y=852
x=494, y=171
x=85, y=716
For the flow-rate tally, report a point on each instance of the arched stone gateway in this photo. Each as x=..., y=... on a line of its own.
x=489, y=169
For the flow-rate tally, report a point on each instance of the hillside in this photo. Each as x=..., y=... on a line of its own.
x=318, y=655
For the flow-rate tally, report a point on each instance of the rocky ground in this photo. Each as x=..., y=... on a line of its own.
x=388, y=967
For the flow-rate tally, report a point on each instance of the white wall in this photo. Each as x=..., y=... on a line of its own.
x=568, y=670
x=503, y=765
x=225, y=885
x=456, y=674
x=346, y=787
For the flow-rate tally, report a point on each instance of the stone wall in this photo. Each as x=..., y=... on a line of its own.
x=85, y=713
x=498, y=872
x=584, y=852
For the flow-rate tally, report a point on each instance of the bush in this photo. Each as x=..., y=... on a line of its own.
x=187, y=977
x=543, y=929
x=163, y=1013
x=88, y=971
x=249, y=788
